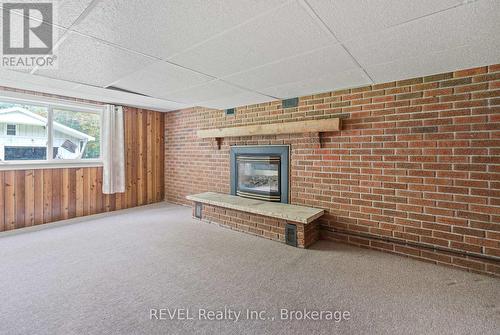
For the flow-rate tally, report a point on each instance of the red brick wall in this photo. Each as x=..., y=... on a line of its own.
x=263, y=226
x=417, y=161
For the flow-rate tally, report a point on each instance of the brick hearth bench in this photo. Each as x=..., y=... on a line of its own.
x=291, y=224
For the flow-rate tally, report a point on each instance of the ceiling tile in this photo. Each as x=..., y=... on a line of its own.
x=67, y=11
x=18, y=79
x=441, y=31
x=162, y=28
x=463, y=57
x=325, y=83
x=331, y=59
x=127, y=99
x=88, y=61
x=63, y=88
x=266, y=39
x=160, y=78
x=243, y=99
x=273, y=47
x=349, y=19
x=215, y=89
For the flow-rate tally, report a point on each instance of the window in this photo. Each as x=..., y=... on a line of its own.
x=11, y=129
x=71, y=133
x=25, y=153
x=76, y=135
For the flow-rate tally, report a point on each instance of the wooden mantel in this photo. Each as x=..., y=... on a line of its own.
x=310, y=126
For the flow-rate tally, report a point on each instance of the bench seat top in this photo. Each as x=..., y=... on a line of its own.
x=294, y=213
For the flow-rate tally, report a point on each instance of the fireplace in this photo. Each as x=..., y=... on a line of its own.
x=260, y=172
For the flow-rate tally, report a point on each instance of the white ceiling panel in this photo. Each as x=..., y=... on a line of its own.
x=88, y=61
x=18, y=79
x=63, y=88
x=163, y=28
x=332, y=59
x=349, y=19
x=284, y=32
x=67, y=11
x=160, y=78
x=127, y=99
x=247, y=98
x=456, y=27
x=463, y=57
x=212, y=90
x=325, y=83
x=227, y=53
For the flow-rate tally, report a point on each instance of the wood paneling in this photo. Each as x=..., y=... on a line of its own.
x=33, y=197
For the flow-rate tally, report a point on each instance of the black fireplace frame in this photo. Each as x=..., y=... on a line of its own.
x=263, y=150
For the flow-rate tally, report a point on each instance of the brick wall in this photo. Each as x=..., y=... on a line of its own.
x=415, y=169
x=259, y=225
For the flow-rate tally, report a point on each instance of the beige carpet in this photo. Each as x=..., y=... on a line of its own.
x=103, y=275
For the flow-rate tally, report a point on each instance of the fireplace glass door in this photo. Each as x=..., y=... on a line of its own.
x=258, y=177
x=260, y=172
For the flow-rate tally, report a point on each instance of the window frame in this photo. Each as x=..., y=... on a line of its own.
x=7, y=129
x=51, y=104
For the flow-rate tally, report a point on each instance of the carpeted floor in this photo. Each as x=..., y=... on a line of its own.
x=104, y=274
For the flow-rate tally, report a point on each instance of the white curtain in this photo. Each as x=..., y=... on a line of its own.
x=113, y=150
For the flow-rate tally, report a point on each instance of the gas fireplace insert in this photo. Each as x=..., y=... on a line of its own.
x=260, y=172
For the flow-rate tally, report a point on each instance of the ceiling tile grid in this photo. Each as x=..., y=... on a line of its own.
x=456, y=27
x=325, y=83
x=88, y=61
x=25, y=81
x=215, y=89
x=305, y=67
x=463, y=57
x=241, y=99
x=350, y=19
x=164, y=28
x=228, y=53
x=282, y=33
x=160, y=78
x=68, y=11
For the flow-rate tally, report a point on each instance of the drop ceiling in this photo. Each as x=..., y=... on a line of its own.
x=226, y=53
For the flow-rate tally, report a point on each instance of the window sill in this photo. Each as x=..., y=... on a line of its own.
x=6, y=166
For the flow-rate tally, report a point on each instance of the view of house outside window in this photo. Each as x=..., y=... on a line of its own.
x=81, y=138
x=24, y=133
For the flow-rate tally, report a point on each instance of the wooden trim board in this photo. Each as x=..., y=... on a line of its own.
x=310, y=126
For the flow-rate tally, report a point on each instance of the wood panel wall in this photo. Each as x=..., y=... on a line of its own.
x=38, y=196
